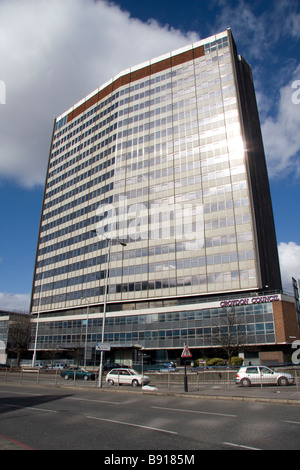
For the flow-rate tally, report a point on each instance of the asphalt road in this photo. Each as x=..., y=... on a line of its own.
x=36, y=417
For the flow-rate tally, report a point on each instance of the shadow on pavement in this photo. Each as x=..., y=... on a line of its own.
x=8, y=404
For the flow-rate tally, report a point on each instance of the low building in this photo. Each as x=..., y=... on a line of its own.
x=13, y=340
x=262, y=327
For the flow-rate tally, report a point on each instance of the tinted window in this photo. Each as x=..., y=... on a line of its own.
x=251, y=370
x=265, y=370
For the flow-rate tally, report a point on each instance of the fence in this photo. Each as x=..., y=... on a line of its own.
x=197, y=380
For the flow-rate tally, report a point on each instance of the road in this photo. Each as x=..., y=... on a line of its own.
x=36, y=417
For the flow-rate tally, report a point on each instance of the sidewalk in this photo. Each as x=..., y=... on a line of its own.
x=270, y=394
x=286, y=395
x=215, y=390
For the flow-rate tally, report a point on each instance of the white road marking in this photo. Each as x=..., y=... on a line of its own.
x=94, y=401
x=240, y=446
x=194, y=411
x=28, y=407
x=132, y=424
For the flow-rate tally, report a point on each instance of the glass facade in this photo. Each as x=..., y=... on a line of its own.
x=157, y=158
x=160, y=163
x=3, y=330
x=166, y=329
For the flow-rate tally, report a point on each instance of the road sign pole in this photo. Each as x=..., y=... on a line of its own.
x=185, y=378
x=186, y=353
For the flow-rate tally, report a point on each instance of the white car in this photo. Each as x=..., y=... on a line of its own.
x=126, y=376
x=259, y=375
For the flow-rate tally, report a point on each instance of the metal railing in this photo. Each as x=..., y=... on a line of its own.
x=170, y=381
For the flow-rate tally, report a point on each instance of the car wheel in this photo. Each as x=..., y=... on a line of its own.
x=283, y=381
x=110, y=382
x=135, y=383
x=245, y=383
x=66, y=377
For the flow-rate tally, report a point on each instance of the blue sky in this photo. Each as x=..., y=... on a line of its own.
x=55, y=52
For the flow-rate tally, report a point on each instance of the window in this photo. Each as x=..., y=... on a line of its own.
x=265, y=370
x=252, y=370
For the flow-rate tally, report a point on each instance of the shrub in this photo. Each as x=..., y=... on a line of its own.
x=236, y=361
x=215, y=361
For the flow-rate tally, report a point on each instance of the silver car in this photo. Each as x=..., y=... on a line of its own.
x=126, y=376
x=259, y=375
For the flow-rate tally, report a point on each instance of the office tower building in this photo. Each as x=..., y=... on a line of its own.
x=167, y=158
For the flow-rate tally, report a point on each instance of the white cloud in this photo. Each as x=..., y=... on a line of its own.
x=259, y=43
x=292, y=24
x=289, y=256
x=281, y=132
x=251, y=25
x=251, y=30
x=14, y=302
x=53, y=53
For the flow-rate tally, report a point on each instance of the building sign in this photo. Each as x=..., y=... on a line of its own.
x=103, y=347
x=250, y=301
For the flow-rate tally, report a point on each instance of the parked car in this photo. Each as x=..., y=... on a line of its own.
x=161, y=367
x=80, y=374
x=168, y=365
x=58, y=366
x=126, y=376
x=4, y=366
x=114, y=365
x=257, y=375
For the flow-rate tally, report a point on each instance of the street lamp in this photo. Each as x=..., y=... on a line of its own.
x=109, y=240
x=38, y=322
x=86, y=330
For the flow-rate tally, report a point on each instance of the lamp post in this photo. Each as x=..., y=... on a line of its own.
x=86, y=330
x=38, y=322
x=109, y=240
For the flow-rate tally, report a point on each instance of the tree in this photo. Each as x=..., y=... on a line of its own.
x=229, y=334
x=19, y=334
x=52, y=354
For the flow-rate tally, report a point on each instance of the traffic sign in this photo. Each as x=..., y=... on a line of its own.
x=186, y=353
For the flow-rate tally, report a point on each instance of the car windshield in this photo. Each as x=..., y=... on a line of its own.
x=133, y=372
